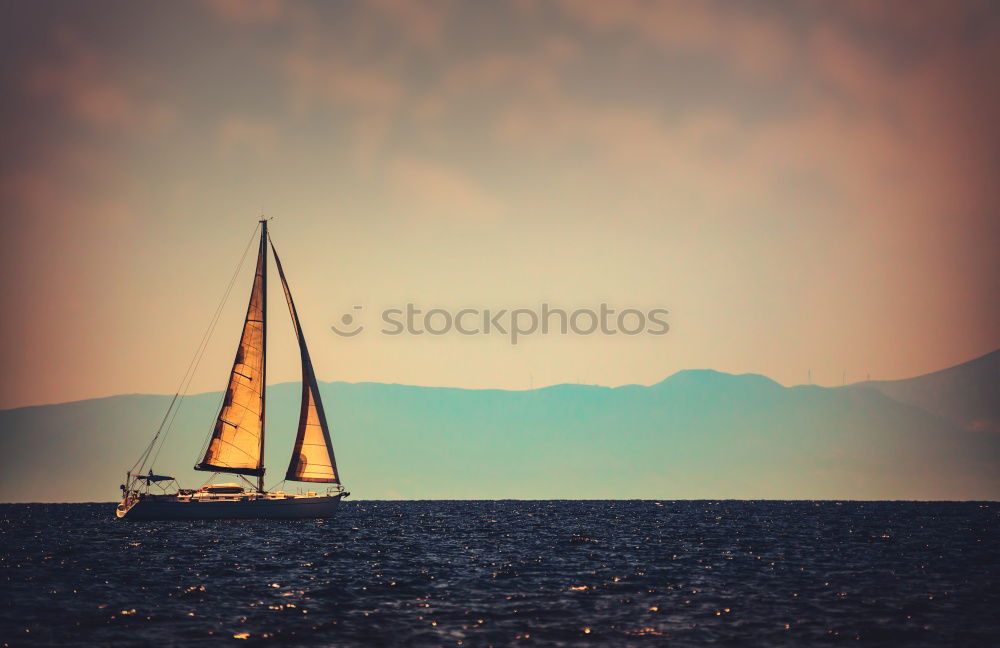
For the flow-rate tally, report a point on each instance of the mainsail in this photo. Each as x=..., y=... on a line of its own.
x=237, y=443
x=312, y=458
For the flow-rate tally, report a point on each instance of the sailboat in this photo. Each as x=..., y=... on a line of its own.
x=236, y=445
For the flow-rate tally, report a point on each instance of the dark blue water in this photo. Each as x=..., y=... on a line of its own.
x=505, y=572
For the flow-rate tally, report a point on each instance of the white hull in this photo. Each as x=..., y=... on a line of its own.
x=165, y=507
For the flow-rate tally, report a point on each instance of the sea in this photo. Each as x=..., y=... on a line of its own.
x=501, y=573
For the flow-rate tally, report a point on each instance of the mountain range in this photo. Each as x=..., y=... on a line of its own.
x=699, y=434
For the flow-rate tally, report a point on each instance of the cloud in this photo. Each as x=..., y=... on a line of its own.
x=435, y=191
x=80, y=80
x=247, y=12
x=335, y=81
x=535, y=71
x=753, y=43
x=240, y=133
x=369, y=96
x=911, y=124
x=422, y=23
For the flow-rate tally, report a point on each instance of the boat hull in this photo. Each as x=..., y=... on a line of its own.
x=168, y=508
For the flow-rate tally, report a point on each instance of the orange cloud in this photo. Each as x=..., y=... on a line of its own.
x=433, y=191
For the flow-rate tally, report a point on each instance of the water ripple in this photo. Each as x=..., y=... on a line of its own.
x=480, y=573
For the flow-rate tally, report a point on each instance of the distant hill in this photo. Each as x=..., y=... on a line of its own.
x=697, y=434
x=966, y=395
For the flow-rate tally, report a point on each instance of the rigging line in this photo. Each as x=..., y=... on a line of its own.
x=222, y=396
x=210, y=478
x=203, y=345
x=193, y=365
x=141, y=461
x=188, y=374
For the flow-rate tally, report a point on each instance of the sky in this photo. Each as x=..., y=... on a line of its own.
x=809, y=188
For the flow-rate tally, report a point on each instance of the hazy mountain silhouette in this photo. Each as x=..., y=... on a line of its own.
x=697, y=434
x=965, y=395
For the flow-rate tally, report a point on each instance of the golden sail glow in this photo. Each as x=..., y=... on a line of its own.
x=312, y=458
x=237, y=441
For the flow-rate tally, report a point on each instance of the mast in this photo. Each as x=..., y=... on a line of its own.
x=263, y=353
